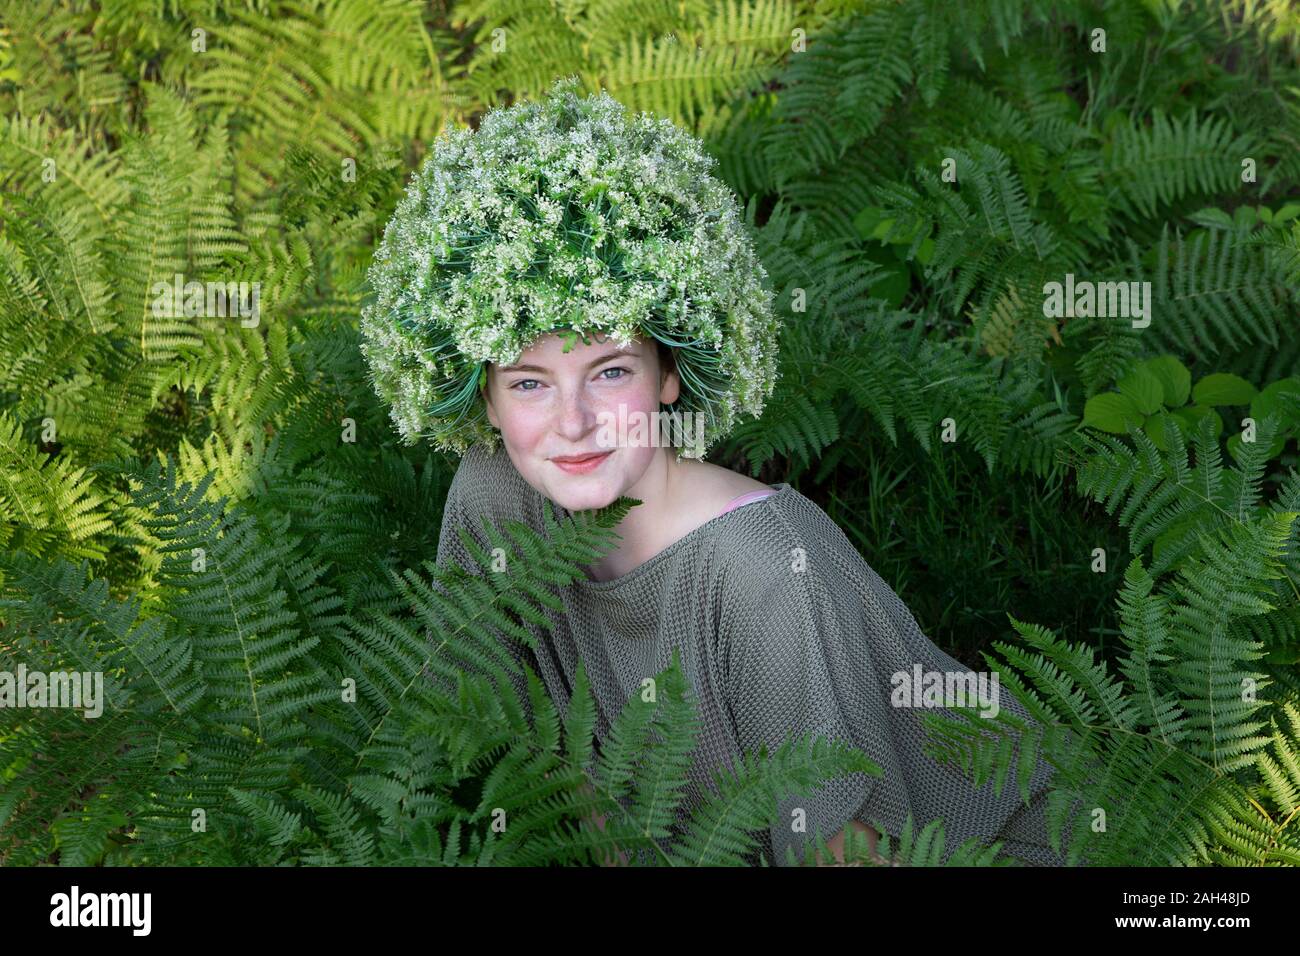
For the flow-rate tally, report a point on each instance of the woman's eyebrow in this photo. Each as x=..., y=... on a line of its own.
x=537, y=368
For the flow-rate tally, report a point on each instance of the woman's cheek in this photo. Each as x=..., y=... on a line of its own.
x=641, y=398
x=527, y=420
x=620, y=413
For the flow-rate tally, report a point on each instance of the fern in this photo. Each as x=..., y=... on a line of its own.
x=203, y=743
x=679, y=60
x=46, y=508
x=1212, y=293
x=274, y=155
x=1149, y=167
x=831, y=101
x=1168, y=503
x=1168, y=770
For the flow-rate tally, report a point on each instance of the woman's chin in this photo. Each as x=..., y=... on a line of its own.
x=577, y=494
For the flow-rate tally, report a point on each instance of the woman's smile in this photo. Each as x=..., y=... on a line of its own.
x=562, y=432
x=580, y=465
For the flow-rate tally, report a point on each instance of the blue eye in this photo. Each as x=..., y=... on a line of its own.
x=518, y=386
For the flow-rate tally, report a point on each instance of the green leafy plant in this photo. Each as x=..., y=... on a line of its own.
x=272, y=146
x=1159, y=389
x=231, y=736
x=1189, y=759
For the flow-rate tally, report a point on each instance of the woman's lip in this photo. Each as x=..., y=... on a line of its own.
x=582, y=465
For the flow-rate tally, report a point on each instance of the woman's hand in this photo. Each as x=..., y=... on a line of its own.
x=598, y=820
x=836, y=846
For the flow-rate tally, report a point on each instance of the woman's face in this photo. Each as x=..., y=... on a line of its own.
x=552, y=405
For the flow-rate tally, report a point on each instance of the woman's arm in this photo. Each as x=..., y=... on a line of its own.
x=796, y=663
x=836, y=845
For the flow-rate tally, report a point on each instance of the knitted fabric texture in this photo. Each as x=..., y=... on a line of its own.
x=770, y=653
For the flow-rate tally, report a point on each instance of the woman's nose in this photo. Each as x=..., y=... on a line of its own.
x=577, y=413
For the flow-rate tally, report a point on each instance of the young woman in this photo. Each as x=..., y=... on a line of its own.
x=782, y=628
x=568, y=215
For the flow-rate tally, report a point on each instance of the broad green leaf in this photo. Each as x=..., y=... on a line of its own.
x=1286, y=213
x=1191, y=414
x=1269, y=400
x=1146, y=391
x=1223, y=388
x=1174, y=379
x=866, y=220
x=882, y=228
x=1112, y=412
x=1155, y=428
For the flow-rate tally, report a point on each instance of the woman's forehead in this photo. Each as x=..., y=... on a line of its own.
x=552, y=346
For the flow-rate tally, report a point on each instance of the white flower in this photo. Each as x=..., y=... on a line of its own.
x=664, y=244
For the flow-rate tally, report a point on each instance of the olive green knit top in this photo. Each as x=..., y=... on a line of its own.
x=782, y=630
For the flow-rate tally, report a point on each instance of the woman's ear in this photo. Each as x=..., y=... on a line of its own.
x=670, y=382
x=486, y=391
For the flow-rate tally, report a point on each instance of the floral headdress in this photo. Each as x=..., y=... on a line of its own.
x=565, y=214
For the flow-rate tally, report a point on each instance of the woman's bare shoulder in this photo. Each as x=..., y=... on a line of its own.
x=715, y=487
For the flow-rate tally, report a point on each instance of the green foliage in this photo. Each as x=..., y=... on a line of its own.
x=681, y=60
x=1158, y=390
x=234, y=735
x=218, y=516
x=1167, y=502
x=1171, y=768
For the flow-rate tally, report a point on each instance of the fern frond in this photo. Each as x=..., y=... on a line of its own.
x=1213, y=292
x=1159, y=766
x=47, y=507
x=1147, y=167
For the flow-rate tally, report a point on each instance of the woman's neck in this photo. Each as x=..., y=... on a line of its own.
x=676, y=498
x=647, y=529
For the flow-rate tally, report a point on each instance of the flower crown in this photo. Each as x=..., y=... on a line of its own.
x=565, y=215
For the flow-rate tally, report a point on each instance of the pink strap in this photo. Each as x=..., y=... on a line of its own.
x=746, y=498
